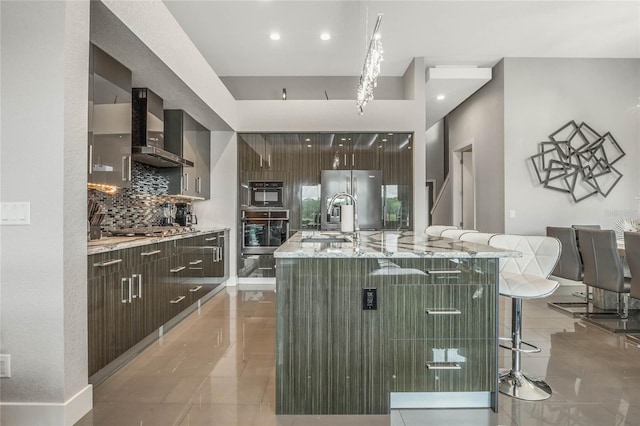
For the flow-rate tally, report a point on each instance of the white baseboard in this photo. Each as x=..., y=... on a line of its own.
x=47, y=413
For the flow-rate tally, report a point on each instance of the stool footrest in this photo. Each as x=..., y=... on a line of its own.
x=534, y=349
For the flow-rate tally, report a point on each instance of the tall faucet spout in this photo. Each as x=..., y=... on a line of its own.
x=354, y=201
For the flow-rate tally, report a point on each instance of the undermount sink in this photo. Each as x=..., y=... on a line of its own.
x=326, y=239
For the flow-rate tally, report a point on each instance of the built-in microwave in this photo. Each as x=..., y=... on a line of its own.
x=266, y=193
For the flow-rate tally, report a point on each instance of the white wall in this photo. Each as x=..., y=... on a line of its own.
x=222, y=208
x=480, y=120
x=318, y=115
x=299, y=88
x=434, y=143
x=44, y=91
x=155, y=26
x=541, y=95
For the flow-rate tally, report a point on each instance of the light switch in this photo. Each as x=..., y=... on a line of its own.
x=18, y=213
x=512, y=214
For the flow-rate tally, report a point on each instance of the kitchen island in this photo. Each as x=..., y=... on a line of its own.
x=396, y=320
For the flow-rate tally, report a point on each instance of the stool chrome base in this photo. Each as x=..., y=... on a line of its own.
x=517, y=385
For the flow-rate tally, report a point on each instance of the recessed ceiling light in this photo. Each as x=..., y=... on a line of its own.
x=325, y=36
x=390, y=134
x=309, y=146
x=339, y=144
x=307, y=140
x=343, y=139
x=440, y=97
x=384, y=140
x=274, y=36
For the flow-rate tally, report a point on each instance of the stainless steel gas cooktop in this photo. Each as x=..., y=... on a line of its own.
x=153, y=231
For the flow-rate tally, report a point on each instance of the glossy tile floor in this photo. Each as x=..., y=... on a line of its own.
x=217, y=368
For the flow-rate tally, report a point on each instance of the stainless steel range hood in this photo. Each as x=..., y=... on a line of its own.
x=148, y=132
x=158, y=157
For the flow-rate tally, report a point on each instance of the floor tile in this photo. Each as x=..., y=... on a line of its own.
x=217, y=368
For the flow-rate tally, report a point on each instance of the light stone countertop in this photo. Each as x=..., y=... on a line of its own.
x=387, y=244
x=107, y=244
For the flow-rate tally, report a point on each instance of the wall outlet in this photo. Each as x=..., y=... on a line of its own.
x=369, y=299
x=5, y=365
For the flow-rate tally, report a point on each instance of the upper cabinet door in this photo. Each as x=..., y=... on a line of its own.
x=365, y=151
x=109, y=135
x=186, y=137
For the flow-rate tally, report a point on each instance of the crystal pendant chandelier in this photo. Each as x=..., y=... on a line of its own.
x=370, y=69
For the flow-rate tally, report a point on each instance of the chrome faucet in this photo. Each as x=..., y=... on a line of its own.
x=356, y=226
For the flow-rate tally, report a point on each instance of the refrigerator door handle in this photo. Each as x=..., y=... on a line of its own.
x=355, y=188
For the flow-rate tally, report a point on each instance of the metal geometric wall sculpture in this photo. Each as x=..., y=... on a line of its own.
x=578, y=160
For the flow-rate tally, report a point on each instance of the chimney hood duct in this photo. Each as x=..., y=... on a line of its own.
x=148, y=131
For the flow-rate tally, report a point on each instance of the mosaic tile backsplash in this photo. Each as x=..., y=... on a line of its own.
x=140, y=205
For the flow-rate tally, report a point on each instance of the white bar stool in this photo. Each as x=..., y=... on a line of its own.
x=525, y=278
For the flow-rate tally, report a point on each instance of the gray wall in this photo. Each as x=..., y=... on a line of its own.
x=480, y=121
x=540, y=96
x=43, y=158
x=434, y=139
x=306, y=88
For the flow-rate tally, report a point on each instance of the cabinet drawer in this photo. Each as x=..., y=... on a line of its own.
x=442, y=365
x=440, y=271
x=428, y=311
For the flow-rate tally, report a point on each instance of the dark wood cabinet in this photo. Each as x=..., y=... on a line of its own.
x=109, y=131
x=134, y=291
x=189, y=139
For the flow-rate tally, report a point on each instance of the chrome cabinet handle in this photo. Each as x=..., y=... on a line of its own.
x=122, y=283
x=198, y=185
x=150, y=253
x=353, y=160
x=130, y=172
x=211, y=239
x=269, y=160
x=193, y=290
x=177, y=299
x=130, y=289
x=261, y=161
x=124, y=168
x=178, y=269
x=453, y=271
x=442, y=312
x=107, y=263
x=443, y=366
x=186, y=181
x=90, y=159
x=195, y=262
x=265, y=268
x=345, y=159
x=139, y=295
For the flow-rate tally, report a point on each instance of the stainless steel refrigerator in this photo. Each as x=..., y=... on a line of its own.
x=364, y=185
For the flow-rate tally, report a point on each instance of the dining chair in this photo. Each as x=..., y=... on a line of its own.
x=569, y=269
x=603, y=268
x=632, y=253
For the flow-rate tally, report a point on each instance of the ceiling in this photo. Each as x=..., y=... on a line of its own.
x=233, y=36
